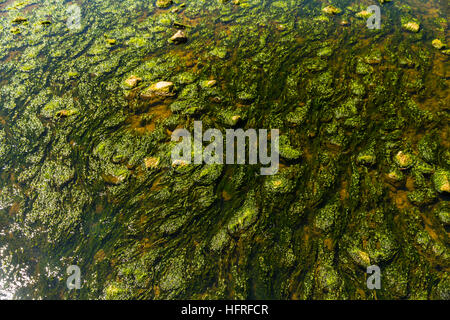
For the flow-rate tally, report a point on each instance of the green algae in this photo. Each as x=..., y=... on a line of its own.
x=74, y=150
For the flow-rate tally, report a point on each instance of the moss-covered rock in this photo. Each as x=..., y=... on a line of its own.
x=286, y=150
x=179, y=37
x=411, y=26
x=438, y=44
x=404, y=159
x=364, y=14
x=132, y=81
x=161, y=88
x=331, y=10
x=163, y=3
x=441, y=180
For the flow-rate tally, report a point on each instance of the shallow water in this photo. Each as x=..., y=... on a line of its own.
x=86, y=176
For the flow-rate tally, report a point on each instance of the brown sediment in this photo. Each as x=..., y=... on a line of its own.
x=144, y=219
x=30, y=7
x=11, y=56
x=445, y=137
x=328, y=242
x=14, y=209
x=307, y=154
x=98, y=208
x=409, y=183
x=429, y=10
x=343, y=193
x=143, y=16
x=156, y=186
x=159, y=112
x=156, y=291
x=145, y=244
x=361, y=292
x=429, y=228
x=189, y=58
x=282, y=166
x=401, y=199
x=99, y=256
x=226, y=196
x=5, y=5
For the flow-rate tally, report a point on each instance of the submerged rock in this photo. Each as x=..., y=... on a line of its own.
x=163, y=3
x=403, y=160
x=444, y=215
x=179, y=37
x=324, y=219
x=347, y=109
x=219, y=241
x=132, y=81
x=110, y=41
x=15, y=30
x=208, y=83
x=395, y=175
x=19, y=20
x=229, y=117
x=364, y=14
x=360, y=257
x=422, y=196
x=438, y=44
x=331, y=10
x=278, y=184
x=441, y=180
x=161, y=88
x=411, y=26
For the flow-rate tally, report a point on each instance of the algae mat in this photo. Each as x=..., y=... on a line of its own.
x=91, y=91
